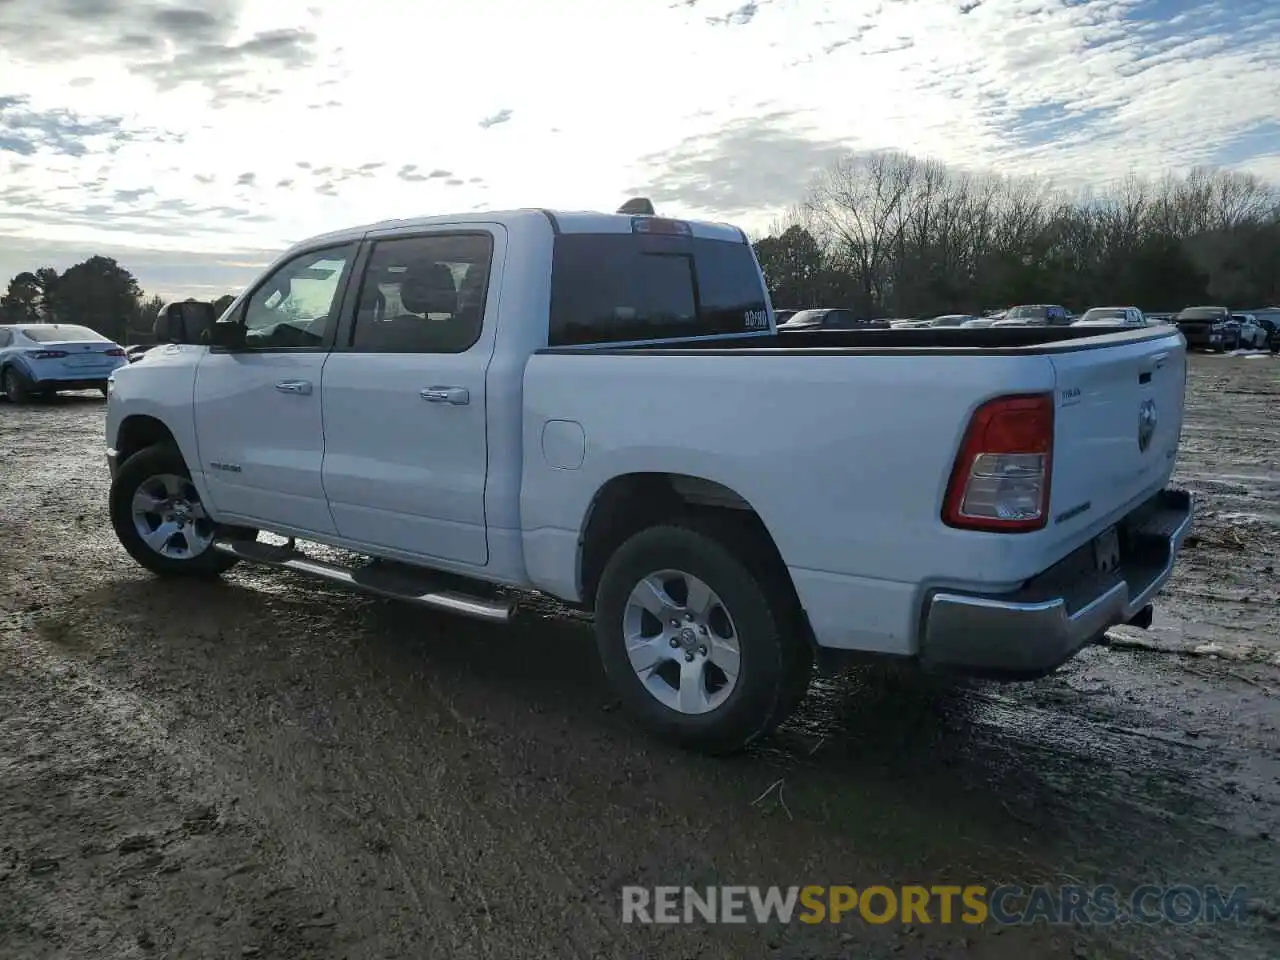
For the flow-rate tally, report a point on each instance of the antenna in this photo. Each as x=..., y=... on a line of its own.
x=637, y=206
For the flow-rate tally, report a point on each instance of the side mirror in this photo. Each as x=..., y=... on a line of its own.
x=186, y=321
x=229, y=335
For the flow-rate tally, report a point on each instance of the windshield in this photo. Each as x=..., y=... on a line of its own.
x=1201, y=313
x=1104, y=313
x=60, y=333
x=1027, y=313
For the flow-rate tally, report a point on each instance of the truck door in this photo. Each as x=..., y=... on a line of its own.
x=406, y=451
x=257, y=408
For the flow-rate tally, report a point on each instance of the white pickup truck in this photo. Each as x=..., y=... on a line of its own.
x=599, y=407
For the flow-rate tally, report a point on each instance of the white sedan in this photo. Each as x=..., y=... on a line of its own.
x=1112, y=317
x=43, y=358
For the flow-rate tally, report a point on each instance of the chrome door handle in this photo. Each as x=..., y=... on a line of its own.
x=294, y=386
x=455, y=395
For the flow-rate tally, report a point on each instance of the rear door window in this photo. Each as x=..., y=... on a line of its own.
x=621, y=288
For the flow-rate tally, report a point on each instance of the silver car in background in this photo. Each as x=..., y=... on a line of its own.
x=1112, y=317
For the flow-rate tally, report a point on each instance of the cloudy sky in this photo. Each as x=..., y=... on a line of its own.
x=193, y=138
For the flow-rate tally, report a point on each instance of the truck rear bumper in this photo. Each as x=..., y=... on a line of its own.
x=1033, y=631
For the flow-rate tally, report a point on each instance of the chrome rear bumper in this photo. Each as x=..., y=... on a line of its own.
x=1033, y=631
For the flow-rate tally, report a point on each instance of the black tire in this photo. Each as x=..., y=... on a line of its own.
x=775, y=658
x=15, y=386
x=133, y=473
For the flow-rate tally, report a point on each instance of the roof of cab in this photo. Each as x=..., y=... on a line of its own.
x=560, y=221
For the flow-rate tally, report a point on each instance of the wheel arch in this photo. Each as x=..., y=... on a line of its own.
x=138, y=431
x=631, y=502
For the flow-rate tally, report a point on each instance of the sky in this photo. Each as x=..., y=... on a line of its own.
x=194, y=139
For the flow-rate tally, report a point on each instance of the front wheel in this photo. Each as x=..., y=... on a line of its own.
x=700, y=641
x=158, y=517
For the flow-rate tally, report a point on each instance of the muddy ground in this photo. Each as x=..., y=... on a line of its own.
x=268, y=767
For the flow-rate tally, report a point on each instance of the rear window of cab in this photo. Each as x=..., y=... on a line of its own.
x=609, y=288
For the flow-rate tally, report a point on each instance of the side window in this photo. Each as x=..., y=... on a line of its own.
x=296, y=307
x=424, y=294
x=6, y=338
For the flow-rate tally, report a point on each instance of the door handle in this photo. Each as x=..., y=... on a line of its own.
x=294, y=386
x=455, y=395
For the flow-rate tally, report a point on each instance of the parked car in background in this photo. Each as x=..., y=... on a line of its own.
x=1207, y=328
x=946, y=320
x=1270, y=321
x=1035, y=315
x=782, y=316
x=43, y=358
x=1250, y=334
x=979, y=323
x=831, y=318
x=1112, y=317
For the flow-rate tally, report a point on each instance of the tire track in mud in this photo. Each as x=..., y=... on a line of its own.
x=113, y=845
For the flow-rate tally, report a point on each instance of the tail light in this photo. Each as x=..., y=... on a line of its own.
x=47, y=354
x=114, y=352
x=1000, y=481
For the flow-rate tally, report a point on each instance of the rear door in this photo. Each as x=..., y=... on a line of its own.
x=1118, y=420
x=406, y=448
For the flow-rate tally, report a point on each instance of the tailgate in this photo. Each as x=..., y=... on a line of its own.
x=1118, y=421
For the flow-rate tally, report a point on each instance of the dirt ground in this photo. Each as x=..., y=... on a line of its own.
x=268, y=767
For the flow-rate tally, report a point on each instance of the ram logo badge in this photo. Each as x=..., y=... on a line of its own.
x=1146, y=424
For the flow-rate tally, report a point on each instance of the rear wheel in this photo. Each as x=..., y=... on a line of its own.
x=158, y=517
x=15, y=386
x=698, y=638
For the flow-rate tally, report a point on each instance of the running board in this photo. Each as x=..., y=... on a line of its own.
x=393, y=584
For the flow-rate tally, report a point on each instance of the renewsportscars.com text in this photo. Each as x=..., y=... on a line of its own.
x=972, y=904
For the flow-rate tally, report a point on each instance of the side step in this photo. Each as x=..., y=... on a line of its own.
x=386, y=583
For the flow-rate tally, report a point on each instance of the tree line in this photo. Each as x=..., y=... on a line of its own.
x=97, y=293
x=888, y=234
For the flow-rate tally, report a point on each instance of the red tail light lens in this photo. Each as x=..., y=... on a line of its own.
x=48, y=354
x=114, y=352
x=1000, y=481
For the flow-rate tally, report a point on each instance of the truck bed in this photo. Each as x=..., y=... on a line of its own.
x=847, y=461
x=927, y=340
